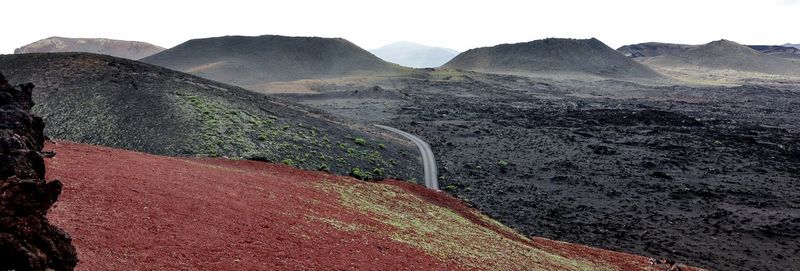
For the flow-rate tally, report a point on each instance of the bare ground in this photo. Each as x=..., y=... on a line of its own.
x=705, y=176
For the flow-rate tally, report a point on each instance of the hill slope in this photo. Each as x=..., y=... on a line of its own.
x=415, y=55
x=552, y=56
x=253, y=61
x=132, y=105
x=131, y=211
x=118, y=48
x=722, y=60
x=726, y=54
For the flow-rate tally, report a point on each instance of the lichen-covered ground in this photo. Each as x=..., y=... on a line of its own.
x=132, y=211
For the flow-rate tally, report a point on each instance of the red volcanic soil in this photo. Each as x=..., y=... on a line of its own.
x=127, y=210
x=132, y=211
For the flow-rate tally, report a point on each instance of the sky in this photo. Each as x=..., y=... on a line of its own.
x=456, y=24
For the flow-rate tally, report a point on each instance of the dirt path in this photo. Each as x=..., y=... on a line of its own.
x=428, y=160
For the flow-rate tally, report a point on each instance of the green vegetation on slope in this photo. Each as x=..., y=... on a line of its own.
x=228, y=130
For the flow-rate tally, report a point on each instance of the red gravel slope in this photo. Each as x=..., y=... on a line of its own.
x=133, y=211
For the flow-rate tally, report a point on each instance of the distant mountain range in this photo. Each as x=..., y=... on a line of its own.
x=718, y=62
x=779, y=51
x=415, y=55
x=254, y=61
x=792, y=45
x=725, y=54
x=119, y=48
x=651, y=49
x=588, y=56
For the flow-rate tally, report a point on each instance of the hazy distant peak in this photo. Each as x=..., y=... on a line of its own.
x=413, y=44
x=415, y=55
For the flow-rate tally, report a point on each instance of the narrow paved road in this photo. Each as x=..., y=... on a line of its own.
x=428, y=161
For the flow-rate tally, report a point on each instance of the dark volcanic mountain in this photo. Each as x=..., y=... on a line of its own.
x=727, y=55
x=552, y=56
x=127, y=104
x=779, y=51
x=118, y=48
x=651, y=49
x=415, y=55
x=252, y=61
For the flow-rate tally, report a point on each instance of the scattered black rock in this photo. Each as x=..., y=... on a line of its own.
x=635, y=117
x=732, y=154
x=602, y=150
x=661, y=175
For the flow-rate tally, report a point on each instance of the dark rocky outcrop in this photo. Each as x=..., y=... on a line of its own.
x=27, y=240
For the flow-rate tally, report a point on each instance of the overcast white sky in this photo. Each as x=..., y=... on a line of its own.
x=448, y=23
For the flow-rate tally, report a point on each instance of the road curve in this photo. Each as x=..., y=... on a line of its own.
x=428, y=161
